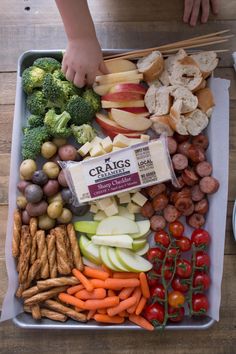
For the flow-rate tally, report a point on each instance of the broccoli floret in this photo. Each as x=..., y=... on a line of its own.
x=80, y=111
x=58, y=91
x=48, y=64
x=83, y=133
x=93, y=99
x=32, y=77
x=35, y=121
x=57, y=123
x=58, y=74
x=36, y=103
x=33, y=140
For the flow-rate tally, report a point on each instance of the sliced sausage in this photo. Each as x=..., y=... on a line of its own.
x=180, y=138
x=196, y=154
x=204, y=169
x=183, y=148
x=153, y=191
x=180, y=162
x=147, y=210
x=189, y=177
x=172, y=145
x=157, y=222
x=171, y=213
x=209, y=185
x=183, y=204
x=173, y=196
x=160, y=202
x=202, y=206
x=189, y=211
x=196, y=193
x=196, y=220
x=179, y=183
x=201, y=141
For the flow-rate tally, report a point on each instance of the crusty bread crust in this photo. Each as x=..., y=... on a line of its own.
x=207, y=62
x=161, y=125
x=205, y=99
x=151, y=66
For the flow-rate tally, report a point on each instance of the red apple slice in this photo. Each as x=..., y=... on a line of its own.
x=129, y=120
x=110, y=104
x=128, y=87
x=112, y=134
x=119, y=65
x=122, y=96
x=136, y=110
x=104, y=89
x=110, y=125
x=136, y=115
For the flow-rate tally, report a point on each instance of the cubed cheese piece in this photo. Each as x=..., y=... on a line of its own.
x=122, y=194
x=134, y=141
x=97, y=150
x=115, y=148
x=84, y=149
x=104, y=203
x=107, y=144
x=139, y=198
x=93, y=208
x=111, y=209
x=133, y=191
x=96, y=140
x=133, y=208
x=125, y=199
x=121, y=141
x=144, y=138
x=100, y=215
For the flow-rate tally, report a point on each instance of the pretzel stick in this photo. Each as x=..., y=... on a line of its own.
x=54, y=305
x=16, y=233
x=42, y=254
x=30, y=292
x=33, y=225
x=36, y=312
x=62, y=258
x=31, y=275
x=40, y=297
x=52, y=315
x=51, y=244
x=49, y=283
x=74, y=247
x=25, y=248
x=68, y=247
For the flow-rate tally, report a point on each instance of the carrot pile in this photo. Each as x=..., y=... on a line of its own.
x=109, y=297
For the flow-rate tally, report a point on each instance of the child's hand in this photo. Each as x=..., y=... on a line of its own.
x=192, y=10
x=82, y=61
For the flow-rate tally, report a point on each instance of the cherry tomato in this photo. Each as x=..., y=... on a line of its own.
x=177, y=313
x=155, y=313
x=162, y=238
x=179, y=284
x=168, y=271
x=171, y=254
x=184, y=244
x=200, y=303
x=152, y=278
x=202, y=260
x=176, y=228
x=176, y=299
x=155, y=254
x=201, y=279
x=183, y=268
x=200, y=238
x=158, y=291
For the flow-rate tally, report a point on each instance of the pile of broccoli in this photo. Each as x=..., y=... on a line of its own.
x=57, y=107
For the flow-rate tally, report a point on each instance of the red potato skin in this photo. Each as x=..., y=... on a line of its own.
x=157, y=222
x=160, y=202
x=67, y=153
x=147, y=210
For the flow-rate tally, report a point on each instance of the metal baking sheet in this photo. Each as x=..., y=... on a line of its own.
x=24, y=320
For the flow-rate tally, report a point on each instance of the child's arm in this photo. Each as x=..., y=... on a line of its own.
x=83, y=56
x=192, y=9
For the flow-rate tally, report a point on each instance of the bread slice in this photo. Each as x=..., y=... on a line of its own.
x=201, y=86
x=186, y=73
x=158, y=100
x=168, y=66
x=205, y=100
x=176, y=120
x=161, y=125
x=151, y=66
x=196, y=122
x=207, y=62
x=189, y=101
x=164, y=78
x=155, y=83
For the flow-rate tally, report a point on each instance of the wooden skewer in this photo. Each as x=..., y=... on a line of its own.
x=195, y=52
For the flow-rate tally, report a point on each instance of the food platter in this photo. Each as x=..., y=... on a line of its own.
x=24, y=320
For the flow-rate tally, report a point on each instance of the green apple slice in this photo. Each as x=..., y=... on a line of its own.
x=105, y=259
x=114, y=259
x=124, y=241
x=116, y=225
x=90, y=264
x=123, y=211
x=144, y=229
x=132, y=261
x=89, y=250
x=143, y=250
x=139, y=243
x=87, y=227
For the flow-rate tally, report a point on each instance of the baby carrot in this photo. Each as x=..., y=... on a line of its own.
x=71, y=300
x=111, y=292
x=118, y=284
x=99, y=304
x=141, y=305
x=77, y=309
x=74, y=289
x=144, y=285
x=121, y=275
x=90, y=314
x=97, y=283
x=98, y=293
x=106, y=269
x=141, y=321
x=137, y=294
x=123, y=305
x=102, y=311
x=95, y=273
x=125, y=293
x=108, y=319
x=86, y=283
x=124, y=314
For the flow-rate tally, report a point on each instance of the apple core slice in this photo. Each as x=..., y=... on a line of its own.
x=132, y=261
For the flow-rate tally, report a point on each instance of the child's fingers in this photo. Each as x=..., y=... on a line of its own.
x=195, y=12
x=90, y=78
x=70, y=74
x=79, y=79
x=188, y=5
x=215, y=6
x=205, y=10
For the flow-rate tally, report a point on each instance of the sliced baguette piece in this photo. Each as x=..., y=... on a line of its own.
x=161, y=125
x=172, y=59
x=196, y=122
x=176, y=120
x=207, y=62
x=189, y=101
x=205, y=100
x=151, y=66
x=164, y=78
x=156, y=83
x=158, y=100
x=186, y=73
x=200, y=86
